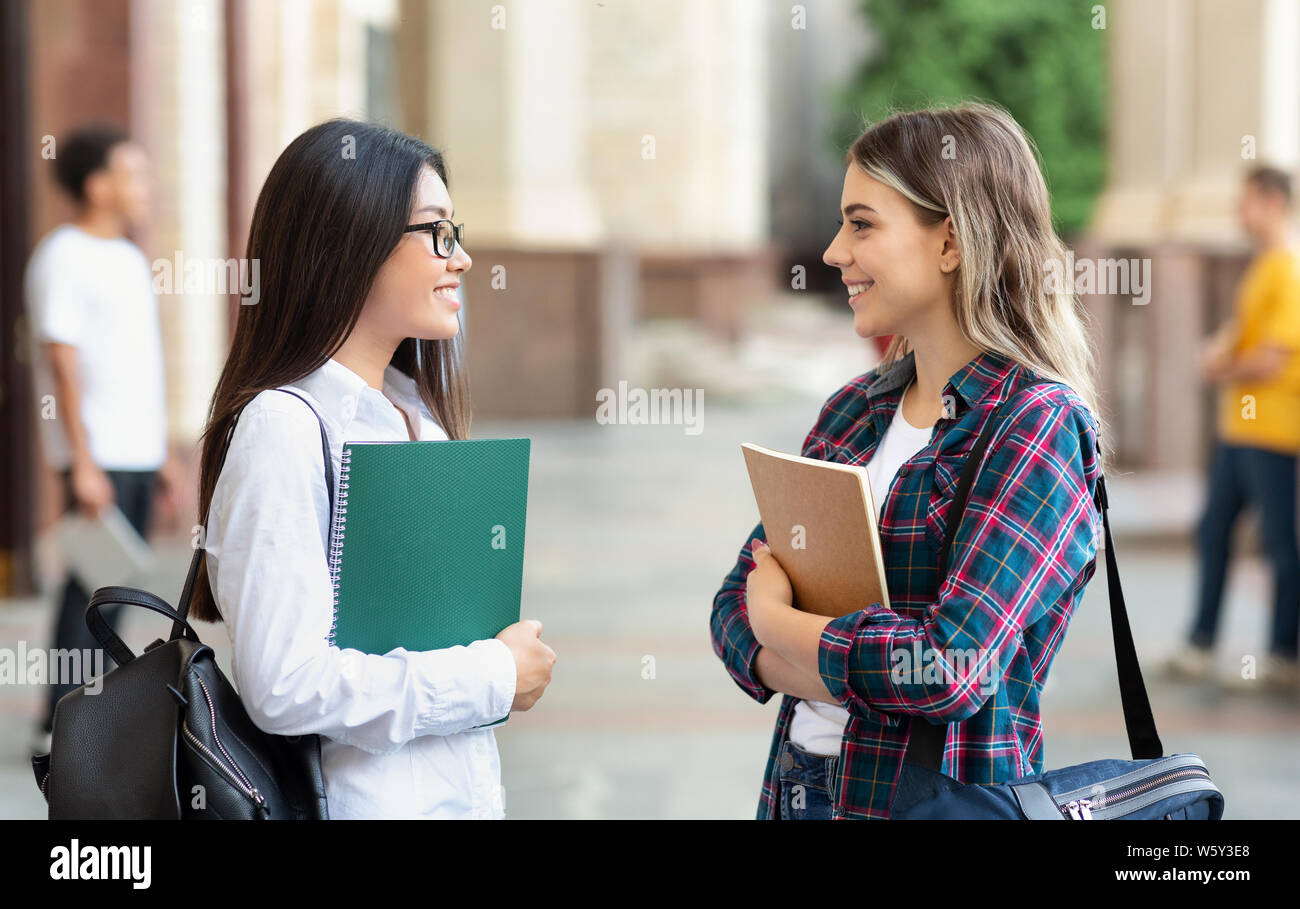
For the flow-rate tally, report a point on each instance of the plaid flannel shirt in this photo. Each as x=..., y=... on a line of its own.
x=1025, y=550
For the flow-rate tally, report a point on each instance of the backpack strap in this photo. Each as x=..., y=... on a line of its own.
x=187, y=592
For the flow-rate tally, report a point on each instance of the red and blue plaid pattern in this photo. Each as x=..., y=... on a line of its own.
x=1025, y=550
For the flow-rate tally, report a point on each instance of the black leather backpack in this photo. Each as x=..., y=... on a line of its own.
x=167, y=737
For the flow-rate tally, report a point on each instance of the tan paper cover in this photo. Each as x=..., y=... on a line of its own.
x=840, y=568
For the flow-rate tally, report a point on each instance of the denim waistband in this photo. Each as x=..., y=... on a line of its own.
x=811, y=769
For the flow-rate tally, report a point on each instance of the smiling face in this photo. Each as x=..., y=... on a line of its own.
x=897, y=271
x=415, y=292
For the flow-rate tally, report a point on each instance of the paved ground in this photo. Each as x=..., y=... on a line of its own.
x=631, y=531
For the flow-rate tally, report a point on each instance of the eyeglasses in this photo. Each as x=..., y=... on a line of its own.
x=445, y=235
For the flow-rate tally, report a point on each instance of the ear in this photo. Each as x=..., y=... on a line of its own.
x=949, y=252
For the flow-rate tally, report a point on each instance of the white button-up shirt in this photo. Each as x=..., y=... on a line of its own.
x=397, y=729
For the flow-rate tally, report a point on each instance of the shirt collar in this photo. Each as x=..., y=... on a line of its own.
x=338, y=390
x=401, y=387
x=402, y=391
x=969, y=385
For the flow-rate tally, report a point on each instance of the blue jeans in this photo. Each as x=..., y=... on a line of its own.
x=807, y=780
x=1240, y=476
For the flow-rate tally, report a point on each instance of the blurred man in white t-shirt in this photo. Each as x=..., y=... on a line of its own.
x=97, y=358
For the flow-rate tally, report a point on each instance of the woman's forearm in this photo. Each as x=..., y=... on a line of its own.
x=779, y=674
x=794, y=635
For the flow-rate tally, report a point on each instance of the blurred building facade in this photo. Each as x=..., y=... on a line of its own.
x=1200, y=91
x=609, y=160
x=615, y=163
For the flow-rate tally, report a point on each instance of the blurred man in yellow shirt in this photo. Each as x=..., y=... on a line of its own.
x=1255, y=358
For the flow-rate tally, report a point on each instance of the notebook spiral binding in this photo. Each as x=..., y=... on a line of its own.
x=336, y=534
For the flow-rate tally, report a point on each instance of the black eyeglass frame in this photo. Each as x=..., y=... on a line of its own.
x=457, y=234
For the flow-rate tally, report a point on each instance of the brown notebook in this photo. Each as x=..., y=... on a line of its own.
x=820, y=521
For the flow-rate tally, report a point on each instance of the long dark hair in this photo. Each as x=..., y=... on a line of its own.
x=330, y=213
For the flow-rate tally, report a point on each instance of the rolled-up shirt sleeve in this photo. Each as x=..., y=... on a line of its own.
x=1028, y=539
x=266, y=543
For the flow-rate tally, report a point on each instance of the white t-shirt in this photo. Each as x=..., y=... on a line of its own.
x=97, y=295
x=816, y=726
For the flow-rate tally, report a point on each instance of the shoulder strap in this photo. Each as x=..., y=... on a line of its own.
x=926, y=741
x=187, y=592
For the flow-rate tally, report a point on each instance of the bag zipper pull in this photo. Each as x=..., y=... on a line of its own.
x=1080, y=809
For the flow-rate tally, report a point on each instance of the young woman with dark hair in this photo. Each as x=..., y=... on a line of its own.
x=358, y=264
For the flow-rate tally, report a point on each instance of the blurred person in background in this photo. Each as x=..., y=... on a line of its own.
x=98, y=364
x=1254, y=357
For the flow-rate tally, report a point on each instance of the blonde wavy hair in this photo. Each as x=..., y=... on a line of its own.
x=973, y=162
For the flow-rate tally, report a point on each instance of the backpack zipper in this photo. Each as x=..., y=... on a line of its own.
x=229, y=767
x=1079, y=809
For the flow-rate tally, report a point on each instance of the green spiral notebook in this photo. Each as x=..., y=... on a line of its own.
x=427, y=546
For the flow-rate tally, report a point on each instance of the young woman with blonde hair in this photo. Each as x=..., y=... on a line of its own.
x=947, y=243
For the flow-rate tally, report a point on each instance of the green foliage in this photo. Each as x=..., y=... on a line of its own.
x=1040, y=59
